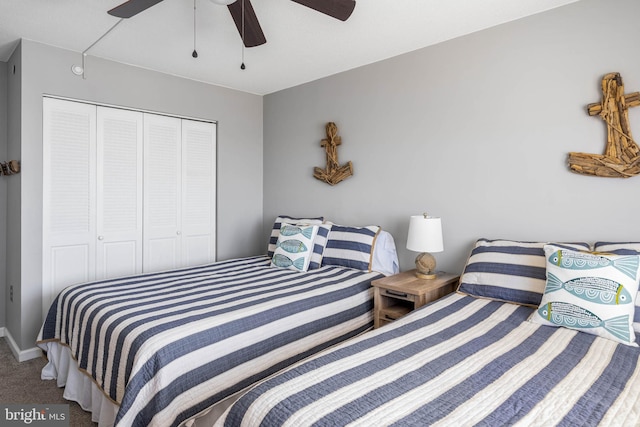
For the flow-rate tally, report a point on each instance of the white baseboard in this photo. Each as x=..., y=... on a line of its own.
x=20, y=355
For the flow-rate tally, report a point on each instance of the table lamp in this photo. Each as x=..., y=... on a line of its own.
x=425, y=236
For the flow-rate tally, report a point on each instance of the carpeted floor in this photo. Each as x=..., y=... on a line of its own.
x=21, y=383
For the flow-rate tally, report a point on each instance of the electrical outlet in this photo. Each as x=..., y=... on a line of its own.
x=11, y=293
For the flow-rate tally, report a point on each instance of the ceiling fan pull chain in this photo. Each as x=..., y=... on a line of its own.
x=195, y=53
x=242, y=66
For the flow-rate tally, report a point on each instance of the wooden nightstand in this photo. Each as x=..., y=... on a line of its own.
x=395, y=296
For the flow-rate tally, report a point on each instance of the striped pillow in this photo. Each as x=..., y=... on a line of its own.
x=507, y=270
x=275, y=231
x=350, y=246
x=319, y=245
x=623, y=248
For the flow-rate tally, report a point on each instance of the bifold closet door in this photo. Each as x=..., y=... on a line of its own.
x=179, y=192
x=119, y=193
x=198, y=192
x=69, y=197
x=162, y=193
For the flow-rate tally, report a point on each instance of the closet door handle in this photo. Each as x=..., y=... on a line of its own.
x=100, y=237
x=178, y=233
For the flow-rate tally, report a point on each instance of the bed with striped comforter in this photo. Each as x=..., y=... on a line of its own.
x=166, y=346
x=460, y=361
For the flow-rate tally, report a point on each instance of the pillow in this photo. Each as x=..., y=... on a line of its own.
x=350, y=246
x=294, y=247
x=385, y=256
x=319, y=244
x=508, y=270
x=275, y=230
x=624, y=248
x=590, y=292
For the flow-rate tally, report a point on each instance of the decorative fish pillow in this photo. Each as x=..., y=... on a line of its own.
x=282, y=219
x=591, y=292
x=294, y=247
x=623, y=248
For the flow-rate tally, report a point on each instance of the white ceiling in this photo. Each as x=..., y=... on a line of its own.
x=302, y=44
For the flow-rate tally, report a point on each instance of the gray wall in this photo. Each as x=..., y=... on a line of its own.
x=475, y=130
x=14, y=103
x=3, y=190
x=47, y=70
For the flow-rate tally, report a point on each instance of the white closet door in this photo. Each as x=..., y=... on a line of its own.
x=198, y=192
x=162, y=193
x=119, y=193
x=69, y=205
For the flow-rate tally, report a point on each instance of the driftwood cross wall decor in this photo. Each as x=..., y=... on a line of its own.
x=333, y=173
x=620, y=158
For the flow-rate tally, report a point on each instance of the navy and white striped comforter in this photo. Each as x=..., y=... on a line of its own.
x=460, y=361
x=167, y=346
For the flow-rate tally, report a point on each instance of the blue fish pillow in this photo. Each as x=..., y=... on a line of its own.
x=294, y=247
x=623, y=248
x=591, y=292
x=275, y=230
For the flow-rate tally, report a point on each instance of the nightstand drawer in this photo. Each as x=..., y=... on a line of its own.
x=394, y=312
x=397, y=294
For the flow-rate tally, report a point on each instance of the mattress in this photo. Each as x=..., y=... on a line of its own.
x=460, y=361
x=165, y=347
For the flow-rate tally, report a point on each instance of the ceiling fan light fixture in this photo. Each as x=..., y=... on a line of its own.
x=78, y=70
x=223, y=2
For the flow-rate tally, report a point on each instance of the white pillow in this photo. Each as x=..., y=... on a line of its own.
x=385, y=256
x=590, y=292
x=294, y=247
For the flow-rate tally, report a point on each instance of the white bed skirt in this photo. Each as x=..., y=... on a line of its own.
x=80, y=388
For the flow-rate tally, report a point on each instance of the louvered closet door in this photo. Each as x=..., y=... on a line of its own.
x=119, y=193
x=162, y=193
x=198, y=192
x=69, y=204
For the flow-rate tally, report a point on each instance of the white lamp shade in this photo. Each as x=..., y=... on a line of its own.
x=425, y=234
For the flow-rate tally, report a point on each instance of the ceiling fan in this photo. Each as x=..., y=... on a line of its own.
x=251, y=34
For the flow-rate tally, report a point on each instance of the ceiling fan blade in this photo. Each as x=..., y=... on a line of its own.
x=253, y=35
x=132, y=8
x=339, y=9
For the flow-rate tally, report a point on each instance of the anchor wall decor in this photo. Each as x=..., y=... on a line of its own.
x=9, y=168
x=333, y=173
x=620, y=158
